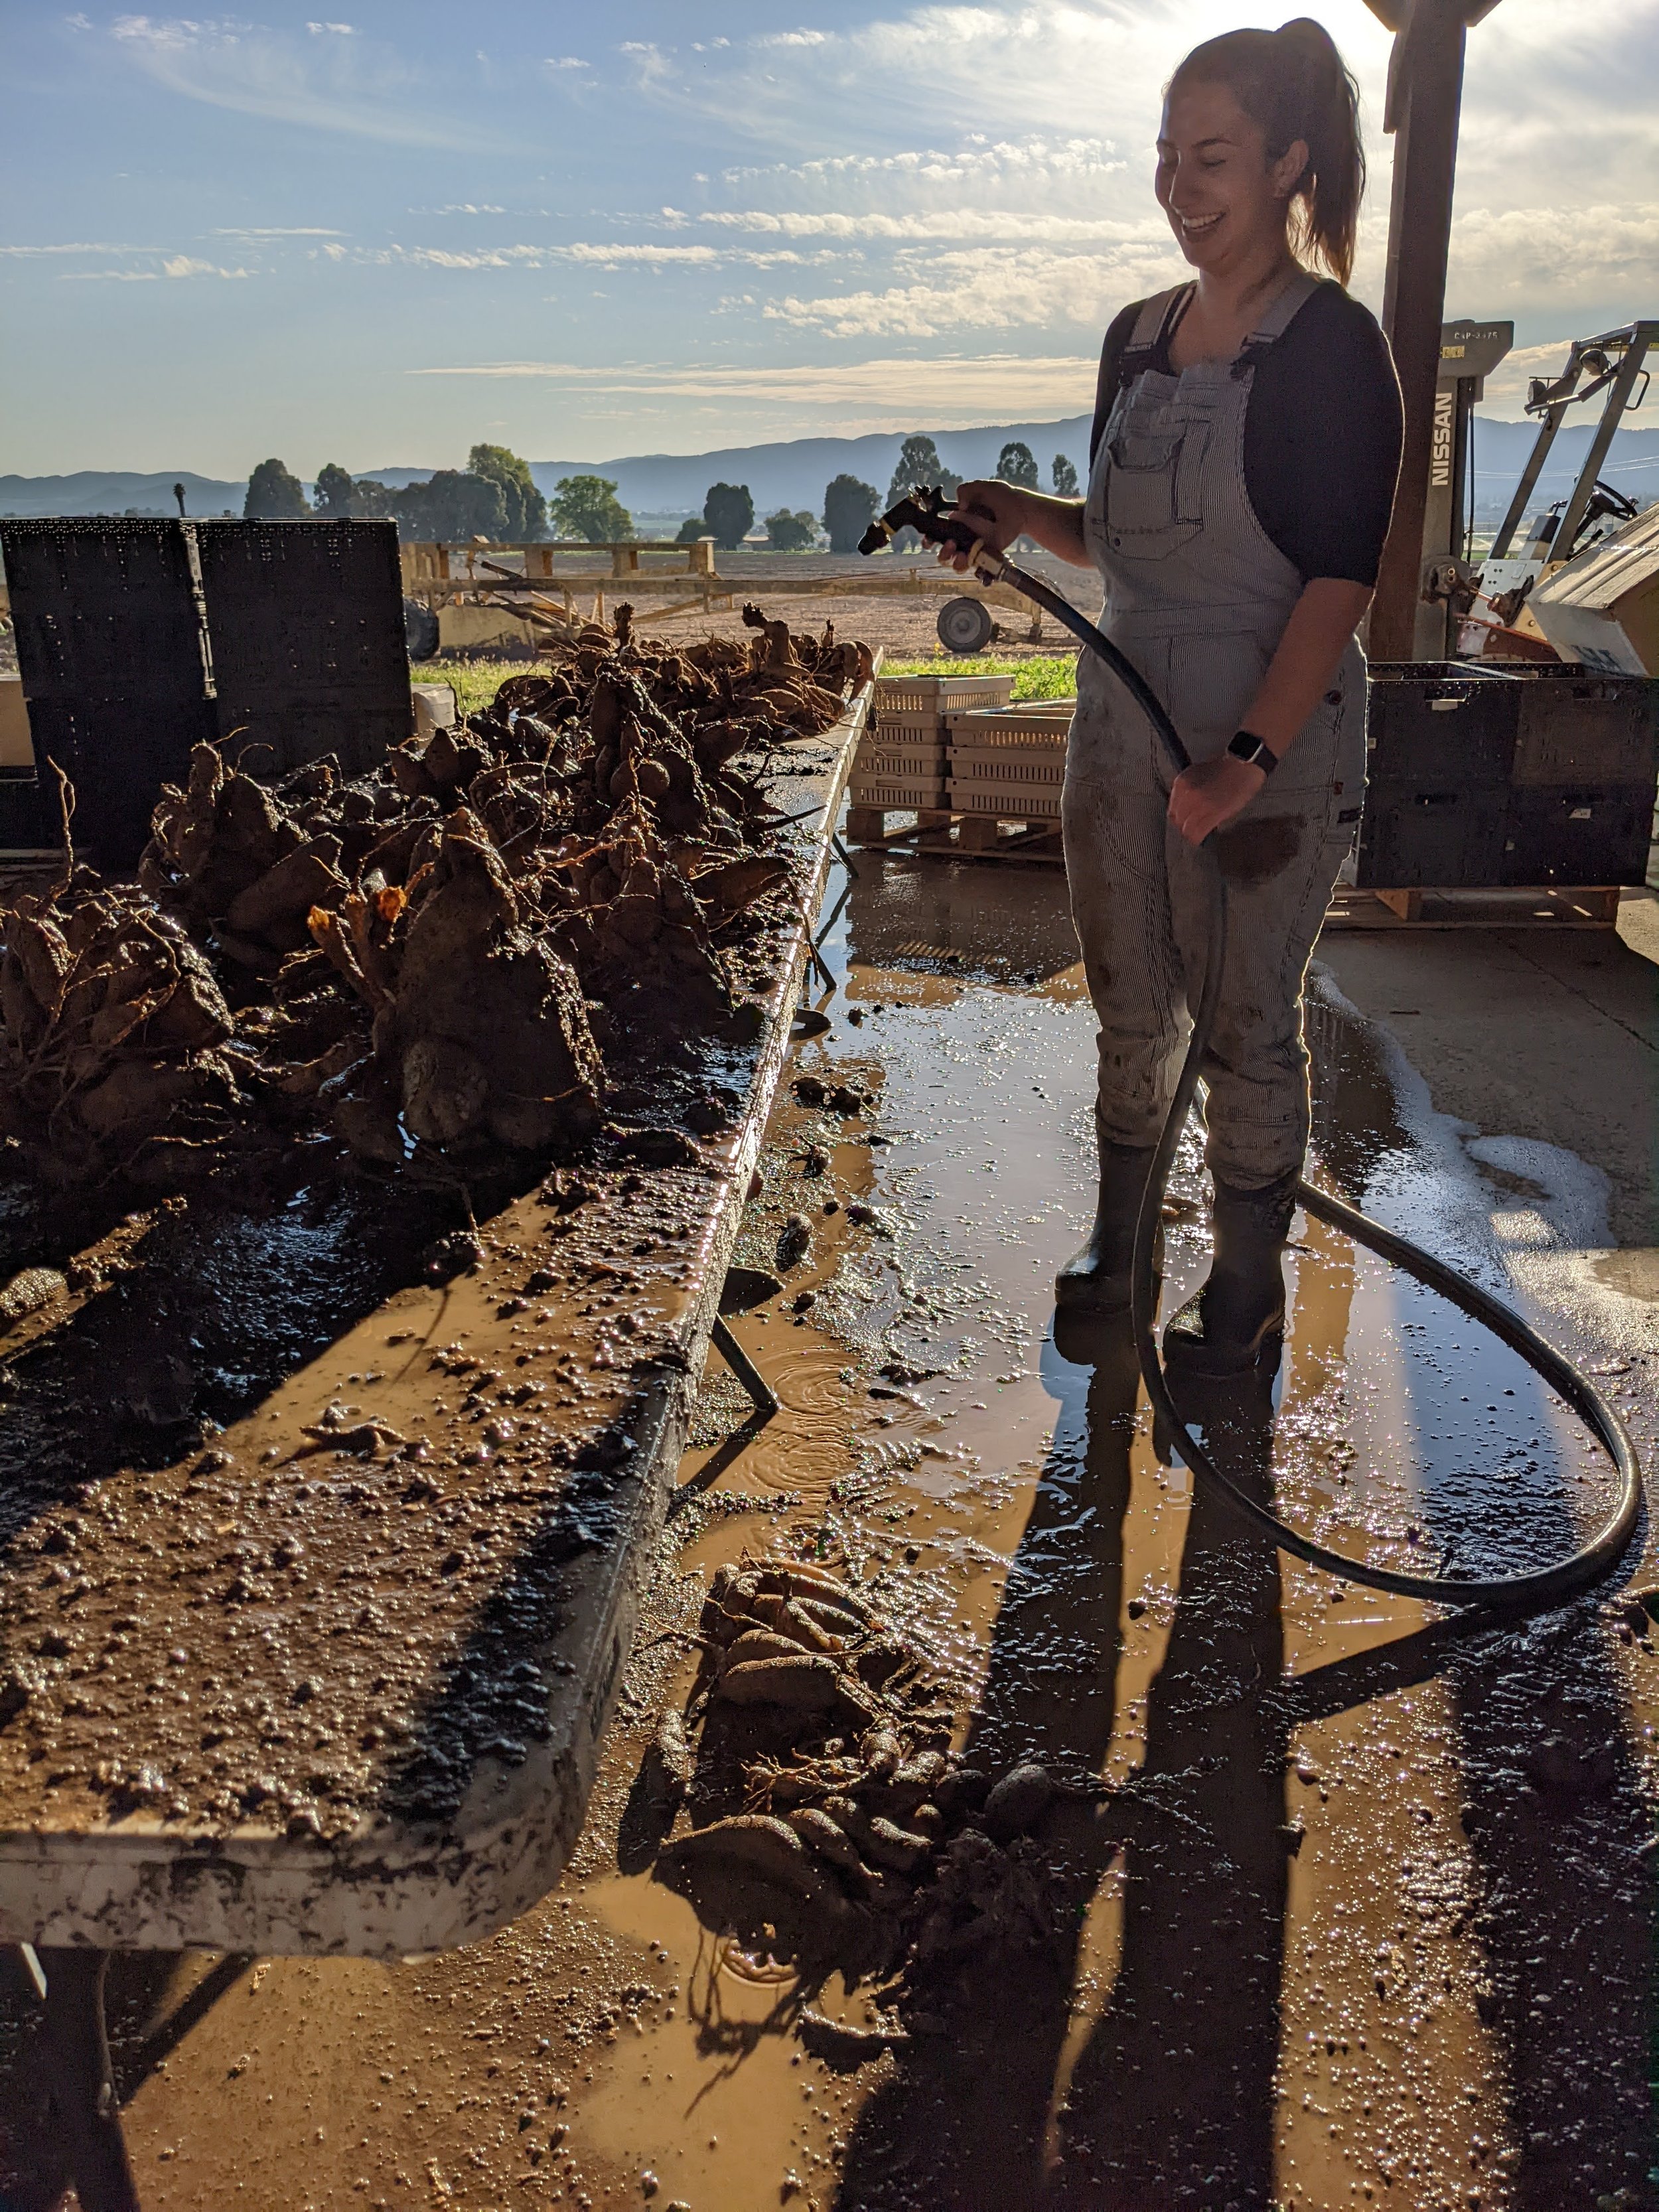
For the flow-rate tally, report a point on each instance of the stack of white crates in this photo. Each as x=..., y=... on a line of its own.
x=902, y=762
x=1008, y=764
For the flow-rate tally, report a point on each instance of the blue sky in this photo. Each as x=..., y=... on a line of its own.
x=586, y=231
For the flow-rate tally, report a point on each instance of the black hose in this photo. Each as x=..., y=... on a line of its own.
x=1530, y=1592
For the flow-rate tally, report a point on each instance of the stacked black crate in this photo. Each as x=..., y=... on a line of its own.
x=1482, y=778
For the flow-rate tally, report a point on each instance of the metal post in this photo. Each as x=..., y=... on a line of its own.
x=83, y=2086
x=1612, y=413
x=765, y=1397
x=1501, y=545
x=1425, y=90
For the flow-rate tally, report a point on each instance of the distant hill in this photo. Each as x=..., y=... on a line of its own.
x=793, y=472
x=113, y=491
x=1500, y=453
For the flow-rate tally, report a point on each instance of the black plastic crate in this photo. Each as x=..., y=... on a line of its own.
x=1441, y=834
x=1578, y=728
x=1587, y=834
x=1446, y=721
x=110, y=651
x=139, y=638
x=306, y=622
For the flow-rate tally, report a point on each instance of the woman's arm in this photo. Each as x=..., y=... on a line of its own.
x=1002, y=511
x=1208, y=796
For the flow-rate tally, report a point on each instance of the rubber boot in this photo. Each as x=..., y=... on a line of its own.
x=1235, y=1319
x=1096, y=1279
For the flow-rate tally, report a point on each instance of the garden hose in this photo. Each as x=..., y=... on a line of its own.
x=1533, y=1591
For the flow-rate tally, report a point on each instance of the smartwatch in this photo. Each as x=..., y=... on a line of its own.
x=1246, y=746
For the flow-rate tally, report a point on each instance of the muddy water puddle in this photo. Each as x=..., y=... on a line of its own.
x=1366, y=1925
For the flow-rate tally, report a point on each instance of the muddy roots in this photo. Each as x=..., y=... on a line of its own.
x=825, y=1818
x=436, y=959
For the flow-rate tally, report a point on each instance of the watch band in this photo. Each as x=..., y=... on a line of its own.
x=1246, y=746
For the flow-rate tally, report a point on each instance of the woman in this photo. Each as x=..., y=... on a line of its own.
x=1246, y=444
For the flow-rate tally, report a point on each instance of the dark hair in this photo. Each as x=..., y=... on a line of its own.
x=1292, y=83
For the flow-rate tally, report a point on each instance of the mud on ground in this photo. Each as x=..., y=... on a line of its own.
x=1381, y=1928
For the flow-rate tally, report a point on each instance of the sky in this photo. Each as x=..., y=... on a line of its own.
x=588, y=231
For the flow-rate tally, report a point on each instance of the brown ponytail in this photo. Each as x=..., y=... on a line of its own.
x=1292, y=83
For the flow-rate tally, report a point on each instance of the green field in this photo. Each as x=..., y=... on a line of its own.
x=476, y=682
x=1048, y=676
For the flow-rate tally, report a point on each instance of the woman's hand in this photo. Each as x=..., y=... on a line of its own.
x=993, y=510
x=1206, y=796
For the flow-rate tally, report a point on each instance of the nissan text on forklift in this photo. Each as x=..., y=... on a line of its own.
x=1245, y=450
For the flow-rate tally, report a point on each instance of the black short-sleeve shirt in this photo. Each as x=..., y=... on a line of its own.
x=1321, y=432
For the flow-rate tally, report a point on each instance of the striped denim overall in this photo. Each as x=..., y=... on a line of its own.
x=1198, y=596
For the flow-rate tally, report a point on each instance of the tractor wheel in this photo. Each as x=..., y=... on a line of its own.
x=965, y=625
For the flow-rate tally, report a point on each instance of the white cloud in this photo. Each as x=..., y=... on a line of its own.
x=273, y=230
x=21, y=252
x=338, y=84
x=942, y=388
x=1039, y=160
x=174, y=265
x=1543, y=257
x=964, y=223
x=339, y=30
x=994, y=290
x=565, y=62
x=587, y=253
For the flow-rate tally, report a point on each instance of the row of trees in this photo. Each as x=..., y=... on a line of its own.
x=496, y=497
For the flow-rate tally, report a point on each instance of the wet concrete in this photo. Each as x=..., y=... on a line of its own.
x=1377, y=1931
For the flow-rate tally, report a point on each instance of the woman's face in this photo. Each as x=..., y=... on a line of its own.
x=1225, y=201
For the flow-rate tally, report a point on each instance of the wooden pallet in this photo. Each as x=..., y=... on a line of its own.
x=1423, y=906
x=956, y=836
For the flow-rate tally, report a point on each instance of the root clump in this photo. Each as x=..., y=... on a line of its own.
x=436, y=960
x=861, y=1841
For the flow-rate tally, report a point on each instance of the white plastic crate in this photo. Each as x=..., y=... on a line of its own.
x=921, y=696
x=1010, y=768
x=909, y=763
x=927, y=728
x=892, y=793
x=1038, y=722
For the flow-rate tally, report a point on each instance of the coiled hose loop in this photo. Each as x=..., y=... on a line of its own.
x=1530, y=1592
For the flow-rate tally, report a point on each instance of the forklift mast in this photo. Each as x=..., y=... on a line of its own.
x=1469, y=352
x=1613, y=365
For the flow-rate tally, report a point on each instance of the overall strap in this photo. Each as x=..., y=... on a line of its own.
x=1153, y=325
x=1276, y=318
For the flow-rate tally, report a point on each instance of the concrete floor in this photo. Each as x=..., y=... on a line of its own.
x=1546, y=1034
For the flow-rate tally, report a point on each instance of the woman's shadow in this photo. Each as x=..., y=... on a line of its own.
x=1011, y=2096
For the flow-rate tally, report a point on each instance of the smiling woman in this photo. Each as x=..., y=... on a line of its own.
x=1246, y=443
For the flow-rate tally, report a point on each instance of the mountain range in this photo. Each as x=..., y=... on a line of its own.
x=793, y=473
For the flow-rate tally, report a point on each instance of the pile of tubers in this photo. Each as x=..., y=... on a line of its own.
x=861, y=1837
x=435, y=958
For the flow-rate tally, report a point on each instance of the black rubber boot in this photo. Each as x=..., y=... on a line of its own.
x=1096, y=1279
x=1235, y=1319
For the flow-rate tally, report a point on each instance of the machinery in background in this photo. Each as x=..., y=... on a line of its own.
x=1487, y=604
x=1469, y=352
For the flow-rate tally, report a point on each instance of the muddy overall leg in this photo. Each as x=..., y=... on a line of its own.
x=1280, y=868
x=1115, y=863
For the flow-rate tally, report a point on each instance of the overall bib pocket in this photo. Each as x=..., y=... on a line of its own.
x=1152, y=489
